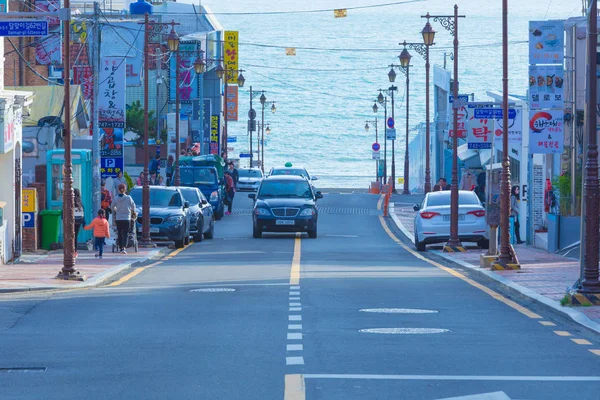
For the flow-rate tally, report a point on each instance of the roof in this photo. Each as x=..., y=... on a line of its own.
x=48, y=101
x=286, y=178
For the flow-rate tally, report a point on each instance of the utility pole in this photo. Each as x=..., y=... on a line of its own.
x=95, y=128
x=158, y=83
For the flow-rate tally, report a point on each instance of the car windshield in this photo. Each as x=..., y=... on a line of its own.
x=249, y=173
x=158, y=197
x=191, y=196
x=299, y=189
x=198, y=176
x=443, y=199
x=290, y=171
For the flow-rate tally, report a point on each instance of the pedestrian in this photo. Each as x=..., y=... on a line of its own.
x=106, y=199
x=234, y=173
x=514, y=211
x=155, y=165
x=79, y=215
x=153, y=179
x=169, y=169
x=118, y=181
x=161, y=181
x=441, y=185
x=101, y=232
x=140, y=179
x=124, y=211
x=229, y=191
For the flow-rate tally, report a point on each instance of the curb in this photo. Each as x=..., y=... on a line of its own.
x=506, y=284
x=97, y=280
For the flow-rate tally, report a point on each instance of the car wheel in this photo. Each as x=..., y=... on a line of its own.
x=199, y=226
x=219, y=214
x=256, y=233
x=313, y=234
x=483, y=243
x=180, y=243
x=420, y=246
x=211, y=232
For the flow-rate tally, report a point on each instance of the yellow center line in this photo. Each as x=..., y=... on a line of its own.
x=294, y=387
x=295, y=271
x=457, y=274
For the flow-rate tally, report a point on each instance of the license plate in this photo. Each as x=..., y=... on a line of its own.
x=284, y=222
x=154, y=230
x=461, y=217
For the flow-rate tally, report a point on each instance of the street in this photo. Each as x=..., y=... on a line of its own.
x=353, y=314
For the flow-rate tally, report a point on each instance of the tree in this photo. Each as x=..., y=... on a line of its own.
x=135, y=122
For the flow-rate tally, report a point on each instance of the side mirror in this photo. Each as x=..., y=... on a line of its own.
x=186, y=204
x=319, y=195
x=252, y=196
x=416, y=207
x=313, y=178
x=204, y=202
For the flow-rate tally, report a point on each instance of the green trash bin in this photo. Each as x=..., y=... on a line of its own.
x=50, y=227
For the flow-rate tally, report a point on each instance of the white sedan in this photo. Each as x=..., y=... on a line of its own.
x=432, y=222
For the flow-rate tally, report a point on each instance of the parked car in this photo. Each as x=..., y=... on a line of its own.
x=169, y=214
x=205, y=173
x=285, y=204
x=249, y=179
x=432, y=221
x=202, y=221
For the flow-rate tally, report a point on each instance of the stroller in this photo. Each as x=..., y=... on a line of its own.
x=132, y=240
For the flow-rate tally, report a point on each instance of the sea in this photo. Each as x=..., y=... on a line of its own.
x=324, y=94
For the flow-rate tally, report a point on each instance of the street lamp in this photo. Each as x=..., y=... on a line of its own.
x=273, y=108
x=381, y=99
x=375, y=108
x=391, y=90
x=405, y=63
x=374, y=122
x=173, y=42
x=450, y=23
x=367, y=126
x=267, y=131
x=220, y=71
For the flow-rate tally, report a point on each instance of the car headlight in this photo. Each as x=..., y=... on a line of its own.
x=307, y=212
x=214, y=196
x=175, y=219
x=261, y=211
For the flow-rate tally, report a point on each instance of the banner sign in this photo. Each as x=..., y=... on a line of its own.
x=214, y=134
x=546, y=42
x=189, y=87
x=111, y=114
x=515, y=128
x=461, y=122
x=484, y=123
x=546, y=132
x=479, y=133
x=232, y=103
x=231, y=56
x=546, y=86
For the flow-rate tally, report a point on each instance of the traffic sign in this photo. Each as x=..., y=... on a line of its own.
x=252, y=113
x=245, y=155
x=376, y=155
x=390, y=122
x=376, y=146
x=390, y=133
x=28, y=219
x=231, y=139
x=463, y=97
x=24, y=28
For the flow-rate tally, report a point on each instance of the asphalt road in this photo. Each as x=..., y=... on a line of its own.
x=283, y=317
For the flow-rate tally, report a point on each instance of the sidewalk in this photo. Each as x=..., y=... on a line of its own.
x=38, y=271
x=544, y=277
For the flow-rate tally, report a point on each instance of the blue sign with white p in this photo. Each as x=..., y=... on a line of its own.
x=28, y=219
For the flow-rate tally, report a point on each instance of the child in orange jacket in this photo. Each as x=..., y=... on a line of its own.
x=101, y=231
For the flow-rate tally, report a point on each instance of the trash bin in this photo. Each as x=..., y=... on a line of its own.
x=50, y=227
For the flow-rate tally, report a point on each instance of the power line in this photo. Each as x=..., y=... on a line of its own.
x=315, y=69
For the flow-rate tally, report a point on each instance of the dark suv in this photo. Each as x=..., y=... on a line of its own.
x=169, y=214
x=285, y=204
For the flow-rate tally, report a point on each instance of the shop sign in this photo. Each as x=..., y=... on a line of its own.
x=214, y=134
x=29, y=200
x=231, y=56
x=546, y=134
x=232, y=103
x=546, y=86
x=546, y=42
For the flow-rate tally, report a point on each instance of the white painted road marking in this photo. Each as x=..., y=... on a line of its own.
x=213, y=290
x=294, y=293
x=398, y=311
x=294, y=287
x=295, y=304
x=295, y=318
x=458, y=377
x=294, y=347
x=294, y=360
x=296, y=327
x=294, y=336
x=294, y=298
x=404, y=331
x=295, y=308
x=481, y=396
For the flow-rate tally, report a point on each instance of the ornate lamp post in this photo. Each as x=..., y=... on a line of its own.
x=374, y=122
x=261, y=134
x=381, y=99
x=450, y=23
x=405, y=63
x=423, y=49
x=268, y=131
x=252, y=115
x=391, y=90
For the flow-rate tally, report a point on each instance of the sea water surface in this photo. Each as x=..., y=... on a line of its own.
x=325, y=93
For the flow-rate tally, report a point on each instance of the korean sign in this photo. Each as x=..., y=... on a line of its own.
x=188, y=83
x=515, y=127
x=461, y=113
x=232, y=103
x=546, y=42
x=29, y=200
x=111, y=114
x=214, y=134
x=546, y=132
x=479, y=132
x=231, y=55
x=546, y=86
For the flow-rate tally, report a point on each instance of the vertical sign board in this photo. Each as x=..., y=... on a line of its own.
x=546, y=86
x=231, y=55
x=188, y=83
x=206, y=121
x=214, y=134
x=461, y=113
x=28, y=207
x=111, y=114
x=546, y=134
x=546, y=42
x=232, y=103
x=3, y=6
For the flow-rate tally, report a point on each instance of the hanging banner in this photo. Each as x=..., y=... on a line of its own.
x=188, y=81
x=546, y=42
x=231, y=56
x=232, y=103
x=515, y=128
x=546, y=87
x=461, y=113
x=111, y=114
x=546, y=134
x=214, y=134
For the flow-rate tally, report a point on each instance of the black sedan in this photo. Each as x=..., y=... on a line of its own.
x=285, y=204
x=169, y=214
x=202, y=221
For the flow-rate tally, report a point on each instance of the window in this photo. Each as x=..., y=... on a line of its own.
x=300, y=189
x=290, y=171
x=249, y=173
x=159, y=198
x=197, y=176
x=191, y=196
x=443, y=199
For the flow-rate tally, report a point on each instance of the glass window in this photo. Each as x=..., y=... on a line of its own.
x=197, y=176
x=191, y=196
x=250, y=173
x=158, y=198
x=290, y=171
x=443, y=199
x=300, y=189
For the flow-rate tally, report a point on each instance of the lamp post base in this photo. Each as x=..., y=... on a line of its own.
x=406, y=192
x=74, y=276
x=586, y=299
x=454, y=246
x=146, y=244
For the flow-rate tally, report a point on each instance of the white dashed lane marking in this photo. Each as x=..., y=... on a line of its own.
x=294, y=360
x=294, y=336
x=294, y=347
x=295, y=318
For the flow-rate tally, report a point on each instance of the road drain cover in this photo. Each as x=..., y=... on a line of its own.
x=212, y=290
x=404, y=331
x=398, y=311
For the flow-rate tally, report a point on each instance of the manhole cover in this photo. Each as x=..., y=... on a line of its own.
x=398, y=311
x=212, y=290
x=404, y=331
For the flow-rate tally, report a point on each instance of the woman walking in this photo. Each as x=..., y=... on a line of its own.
x=79, y=215
x=124, y=212
x=514, y=212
